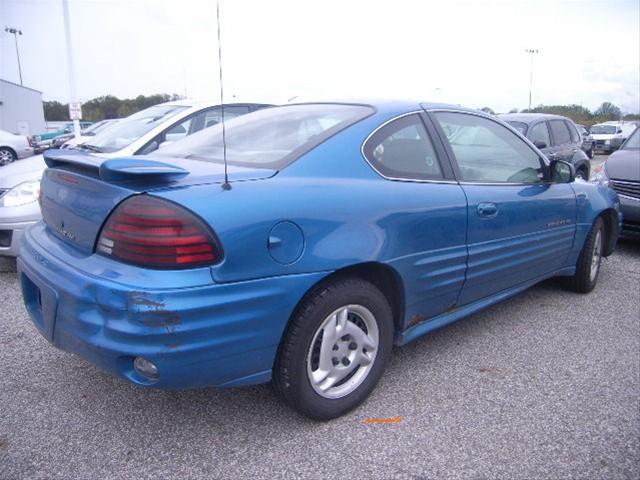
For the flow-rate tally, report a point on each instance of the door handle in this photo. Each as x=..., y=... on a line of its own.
x=488, y=210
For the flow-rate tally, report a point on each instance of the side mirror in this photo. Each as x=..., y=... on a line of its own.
x=540, y=144
x=562, y=172
x=619, y=130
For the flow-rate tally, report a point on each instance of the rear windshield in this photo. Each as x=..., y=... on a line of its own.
x=520, y=126
x=269, y=138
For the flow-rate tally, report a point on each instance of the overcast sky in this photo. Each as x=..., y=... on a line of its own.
x=463, y=52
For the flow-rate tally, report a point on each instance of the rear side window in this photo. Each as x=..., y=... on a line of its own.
x=403, y=149
x=560, y=132
x=488, y=152
x=269, y=138
x=573, y=132
x=540, y=133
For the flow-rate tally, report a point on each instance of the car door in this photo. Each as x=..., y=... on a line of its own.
x=429, y=231
x=520, y=224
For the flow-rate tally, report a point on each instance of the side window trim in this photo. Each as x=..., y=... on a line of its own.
x=454, y=163
x=442, y=162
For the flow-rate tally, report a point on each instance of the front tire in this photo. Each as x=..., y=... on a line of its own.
x=582, y=174
x=588, y=266
x=335, y=349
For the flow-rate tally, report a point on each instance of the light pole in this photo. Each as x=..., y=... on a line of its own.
x=16, y=32
x=531, y=52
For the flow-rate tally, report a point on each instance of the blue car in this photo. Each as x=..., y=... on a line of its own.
x=332, y=232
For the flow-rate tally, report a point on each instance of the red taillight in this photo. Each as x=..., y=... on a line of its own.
x=156, y=233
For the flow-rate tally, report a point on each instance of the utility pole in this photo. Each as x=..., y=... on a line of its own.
x=72, y=79
x=531, y=52
x=15, y=33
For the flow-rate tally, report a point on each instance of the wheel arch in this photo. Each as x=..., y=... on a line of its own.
x=382, y=276
x=15, y=154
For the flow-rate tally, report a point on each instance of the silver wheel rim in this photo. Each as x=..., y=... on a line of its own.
x=343, y=351
x=5, y=157
x=596, y=256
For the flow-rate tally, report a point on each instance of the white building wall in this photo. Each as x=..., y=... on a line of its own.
x=21, y=109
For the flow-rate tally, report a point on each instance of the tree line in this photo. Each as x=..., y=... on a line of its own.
x=579, y=114
x=107, y=106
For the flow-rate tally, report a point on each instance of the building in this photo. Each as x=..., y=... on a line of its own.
x=21, y=109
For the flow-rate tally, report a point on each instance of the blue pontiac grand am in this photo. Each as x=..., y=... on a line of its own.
x=339, y=231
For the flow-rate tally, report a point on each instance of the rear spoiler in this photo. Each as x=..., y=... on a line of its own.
x=117, y=169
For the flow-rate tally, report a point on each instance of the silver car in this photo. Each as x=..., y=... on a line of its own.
x=13, y=147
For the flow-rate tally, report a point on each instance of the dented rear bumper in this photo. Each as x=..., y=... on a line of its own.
x=198, y=335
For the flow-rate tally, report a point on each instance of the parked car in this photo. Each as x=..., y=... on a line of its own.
x=69, y=139
x=556, y=136
x=13, y=147
x=142, y=132
x=45, y=140
x=587, y=140
x=609, y=136
x=621, y=171
x=332, y=232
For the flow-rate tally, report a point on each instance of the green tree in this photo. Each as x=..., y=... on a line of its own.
x=488, y=110
x=608, y=111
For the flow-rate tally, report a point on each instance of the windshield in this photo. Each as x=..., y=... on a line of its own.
x=633, y=143
x=520, y=126
x=130, y=129
x=603, y=129
x=270, y=138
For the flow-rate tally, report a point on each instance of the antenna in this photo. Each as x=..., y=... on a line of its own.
x=226, y=185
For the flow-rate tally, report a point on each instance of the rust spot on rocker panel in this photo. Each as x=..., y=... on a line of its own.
x=416, y=319
x=138, y=298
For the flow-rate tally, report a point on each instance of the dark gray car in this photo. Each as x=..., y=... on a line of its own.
x=557, y=137
x=622, y=172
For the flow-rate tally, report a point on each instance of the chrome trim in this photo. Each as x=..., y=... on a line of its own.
x=398, y=179
x=627, y=197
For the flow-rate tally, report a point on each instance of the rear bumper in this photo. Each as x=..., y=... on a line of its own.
x=205, y=335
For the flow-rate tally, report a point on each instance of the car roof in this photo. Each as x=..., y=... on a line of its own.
x=530, y=118
x=206, y=103
x=391, y=106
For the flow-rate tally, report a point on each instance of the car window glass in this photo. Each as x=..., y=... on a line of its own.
x=214, y=116
x=402, y=149
x=540, y=133
x=269, y=138
x=634, y=141
x=572, y=132
x=489, y=152
x=178, y=131
x=520, y=126
x=560, y=132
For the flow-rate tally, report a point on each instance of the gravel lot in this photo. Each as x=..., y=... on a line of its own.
x=544, y=385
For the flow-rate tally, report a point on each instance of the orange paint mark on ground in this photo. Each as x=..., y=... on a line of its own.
x=384, y=420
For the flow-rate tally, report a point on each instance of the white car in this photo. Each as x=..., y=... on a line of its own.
x=69, y=139
x=608, y=136
x=13, y=147
x=139, y=134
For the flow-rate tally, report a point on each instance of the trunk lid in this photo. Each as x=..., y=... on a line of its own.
x=79, y=190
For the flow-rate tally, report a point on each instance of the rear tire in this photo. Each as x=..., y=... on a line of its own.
x=7, y=156
x=588, y=266
x=335, y=349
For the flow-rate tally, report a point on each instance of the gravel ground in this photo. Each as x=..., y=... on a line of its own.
x=544, y=385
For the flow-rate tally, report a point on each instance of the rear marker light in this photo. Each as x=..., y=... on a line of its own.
x=156, y=233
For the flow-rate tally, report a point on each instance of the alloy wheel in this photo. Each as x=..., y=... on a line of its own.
x=343, y=351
